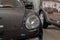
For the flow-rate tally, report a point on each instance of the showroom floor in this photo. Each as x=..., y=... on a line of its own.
x=52, y=33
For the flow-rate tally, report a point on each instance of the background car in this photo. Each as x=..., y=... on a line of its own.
x=50, y=12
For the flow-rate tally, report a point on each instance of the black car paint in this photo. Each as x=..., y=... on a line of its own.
x=12, y=21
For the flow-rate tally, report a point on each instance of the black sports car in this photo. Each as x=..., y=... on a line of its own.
x=16, y=22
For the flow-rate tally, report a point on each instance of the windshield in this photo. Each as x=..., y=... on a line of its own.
x=10, y=3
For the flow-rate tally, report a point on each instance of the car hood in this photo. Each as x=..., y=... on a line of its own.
x=11, y=18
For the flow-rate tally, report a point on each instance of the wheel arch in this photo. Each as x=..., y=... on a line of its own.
x=44, y=14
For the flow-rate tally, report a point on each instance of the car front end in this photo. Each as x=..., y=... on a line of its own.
x=18, y=23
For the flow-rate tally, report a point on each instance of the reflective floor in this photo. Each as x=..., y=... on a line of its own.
x=52, y=33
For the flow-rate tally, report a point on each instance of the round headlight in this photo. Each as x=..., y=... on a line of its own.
x=32, y=22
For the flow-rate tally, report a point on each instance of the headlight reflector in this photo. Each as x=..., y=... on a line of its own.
x=32, y=22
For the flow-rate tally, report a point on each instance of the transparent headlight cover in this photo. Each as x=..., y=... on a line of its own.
x=32, y=22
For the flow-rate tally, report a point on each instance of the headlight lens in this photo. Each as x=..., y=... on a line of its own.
x=32, y=22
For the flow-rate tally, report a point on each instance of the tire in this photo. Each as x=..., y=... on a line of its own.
x=43, y=19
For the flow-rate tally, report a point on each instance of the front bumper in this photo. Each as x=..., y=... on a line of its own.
x=13, y=27
x=20, y=33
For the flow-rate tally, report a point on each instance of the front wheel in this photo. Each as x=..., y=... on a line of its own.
x=43, y=19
